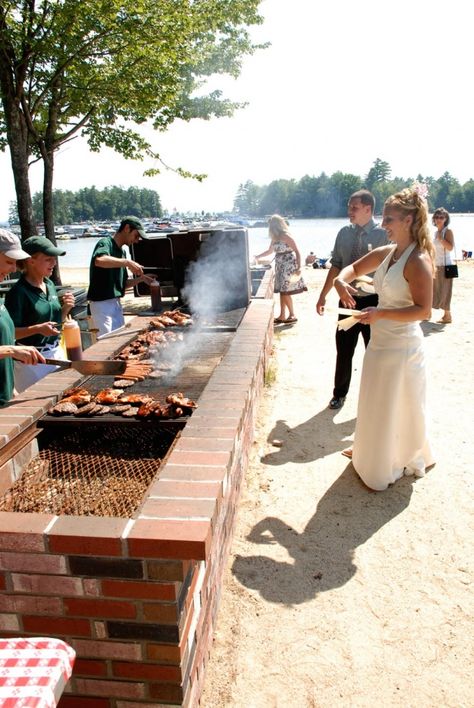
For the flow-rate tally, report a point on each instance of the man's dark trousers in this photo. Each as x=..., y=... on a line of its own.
x=346, y=342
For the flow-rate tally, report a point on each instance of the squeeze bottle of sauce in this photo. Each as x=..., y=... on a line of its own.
x=72, y=338
x=155, y=293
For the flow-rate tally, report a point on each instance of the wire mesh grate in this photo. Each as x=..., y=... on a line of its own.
x=105, y=472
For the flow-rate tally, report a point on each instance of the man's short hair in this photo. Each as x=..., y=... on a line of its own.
x=365, y=197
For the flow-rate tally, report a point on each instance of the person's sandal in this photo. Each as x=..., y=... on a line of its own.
x=347, y=453
x=291, y=320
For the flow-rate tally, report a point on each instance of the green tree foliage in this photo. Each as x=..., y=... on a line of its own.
x=326, y=196
x=247, y=199
x=379, y=172
x=109, y=204
x=100, y=68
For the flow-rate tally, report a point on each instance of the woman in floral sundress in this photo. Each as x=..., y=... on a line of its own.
x=288, y=280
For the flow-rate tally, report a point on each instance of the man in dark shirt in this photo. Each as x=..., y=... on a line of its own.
x=108, y=277
x=352, y=242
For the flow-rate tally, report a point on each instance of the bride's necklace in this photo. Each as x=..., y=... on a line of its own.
x=395, y=258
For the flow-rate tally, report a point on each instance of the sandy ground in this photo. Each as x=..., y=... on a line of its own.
x=335, y=595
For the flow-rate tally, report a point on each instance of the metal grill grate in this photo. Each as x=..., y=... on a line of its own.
x=105, y=473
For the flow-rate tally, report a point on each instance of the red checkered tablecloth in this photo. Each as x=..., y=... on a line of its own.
x=34, y=672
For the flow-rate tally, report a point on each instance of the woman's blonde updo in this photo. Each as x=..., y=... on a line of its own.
x=408, y=201
x=277, y=227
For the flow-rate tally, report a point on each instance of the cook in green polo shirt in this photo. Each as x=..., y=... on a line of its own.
x=108, y=277
x=35, y=308
x=7, y=337
x=10, y=252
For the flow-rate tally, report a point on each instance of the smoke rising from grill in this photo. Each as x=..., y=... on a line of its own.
x=170, y=361
x=217, y=281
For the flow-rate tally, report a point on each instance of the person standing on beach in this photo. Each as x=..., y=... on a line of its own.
x=108, y=277
x=352, y=242
x=288, y=280
x=444, y=245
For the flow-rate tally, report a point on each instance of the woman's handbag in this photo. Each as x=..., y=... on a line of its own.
x=451, y=271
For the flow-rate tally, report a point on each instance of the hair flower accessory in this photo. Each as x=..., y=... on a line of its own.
x=421, y=188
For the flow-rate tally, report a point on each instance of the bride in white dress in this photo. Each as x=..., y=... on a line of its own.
x=390, y=435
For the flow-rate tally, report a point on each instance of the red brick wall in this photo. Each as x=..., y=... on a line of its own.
x=138, y=598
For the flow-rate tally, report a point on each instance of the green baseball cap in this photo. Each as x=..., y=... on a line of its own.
x=135, y=223
x=41, y=244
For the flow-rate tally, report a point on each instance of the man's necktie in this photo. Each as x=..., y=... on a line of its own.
x=358, y=248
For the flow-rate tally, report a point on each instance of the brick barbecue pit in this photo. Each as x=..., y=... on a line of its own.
x=137, y=597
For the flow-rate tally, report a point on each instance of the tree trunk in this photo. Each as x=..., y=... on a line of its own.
x=17, y=136
x=48, y=207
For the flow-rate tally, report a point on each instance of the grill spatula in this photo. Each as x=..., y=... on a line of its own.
x=107, y=367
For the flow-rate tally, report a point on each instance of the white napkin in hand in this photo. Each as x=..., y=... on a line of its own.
x=350, y=321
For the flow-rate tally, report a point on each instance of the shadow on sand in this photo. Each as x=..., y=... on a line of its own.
x=322, y=555
x=315, y=438
x=429, y=328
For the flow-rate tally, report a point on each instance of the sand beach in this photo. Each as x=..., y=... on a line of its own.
x=335, y=595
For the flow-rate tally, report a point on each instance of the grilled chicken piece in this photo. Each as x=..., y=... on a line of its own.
x=135, y=399
x=163, y=320
x=131, y=413
x=157, y=324
x=146, y=409
x=79, y=399
x=179, y=317
x=157, y=409
x=76, y=390
x=179, y=399
x=108, y=395
x=171, y=411
x=63, y=409
x=176, y=314
x=182, y=322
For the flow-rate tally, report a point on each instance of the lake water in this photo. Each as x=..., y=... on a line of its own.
x=315, y=235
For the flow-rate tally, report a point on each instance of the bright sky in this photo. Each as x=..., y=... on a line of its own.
x=342, y=84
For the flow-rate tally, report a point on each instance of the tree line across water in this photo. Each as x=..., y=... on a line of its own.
x=327, y=196
x=309, y=197
x=92, y=204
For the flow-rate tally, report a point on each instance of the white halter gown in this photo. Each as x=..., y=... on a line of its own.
x=390, y=434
